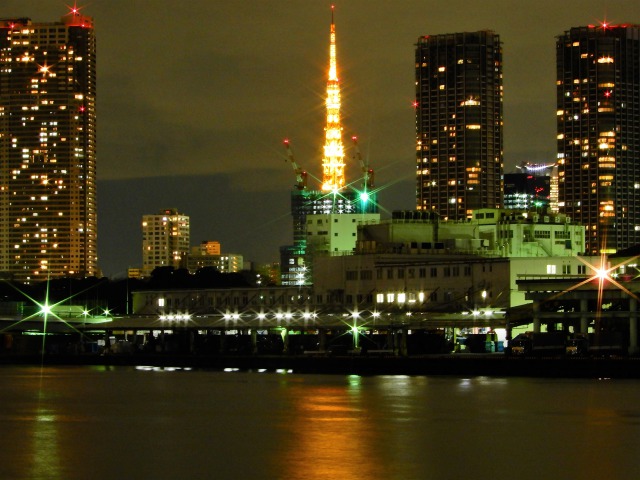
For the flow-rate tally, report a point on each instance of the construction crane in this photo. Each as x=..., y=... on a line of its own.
x=301, y=175
x=367, y=173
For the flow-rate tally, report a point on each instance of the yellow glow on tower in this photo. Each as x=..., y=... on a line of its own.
x=333, y=161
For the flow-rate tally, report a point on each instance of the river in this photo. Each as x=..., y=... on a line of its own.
x=64, y=423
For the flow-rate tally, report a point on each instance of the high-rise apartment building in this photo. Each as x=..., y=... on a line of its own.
x=598, y=116
x=48, y=224
x=459, y=158
x=165, y=240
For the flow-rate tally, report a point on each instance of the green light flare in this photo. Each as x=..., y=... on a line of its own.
x=47, y=309
x=356, y=336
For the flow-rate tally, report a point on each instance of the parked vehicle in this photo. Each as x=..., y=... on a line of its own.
x=540, y=344
x=577, y=346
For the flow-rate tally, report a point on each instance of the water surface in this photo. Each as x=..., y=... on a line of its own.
x=120, y=423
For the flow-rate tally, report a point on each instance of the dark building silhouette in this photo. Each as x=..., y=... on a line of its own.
x=526, y=191
x=459, y=123
x=598, y=100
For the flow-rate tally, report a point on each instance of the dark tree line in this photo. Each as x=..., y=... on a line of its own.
x=116, y=295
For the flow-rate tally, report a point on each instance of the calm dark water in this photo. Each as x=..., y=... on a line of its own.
x=127, y=423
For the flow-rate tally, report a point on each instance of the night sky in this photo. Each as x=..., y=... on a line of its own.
x=195, y=98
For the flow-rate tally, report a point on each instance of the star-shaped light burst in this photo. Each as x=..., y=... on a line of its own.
x=356, y=324
x=46, y=309
x=602, y=274
x=74, y=10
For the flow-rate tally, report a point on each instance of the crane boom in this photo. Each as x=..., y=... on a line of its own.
x=301, y=175
x=367, y=173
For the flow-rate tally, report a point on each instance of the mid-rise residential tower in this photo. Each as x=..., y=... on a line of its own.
x=165, y=240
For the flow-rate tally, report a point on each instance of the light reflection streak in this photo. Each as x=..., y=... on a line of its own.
x=45, y=455
x=333, y=436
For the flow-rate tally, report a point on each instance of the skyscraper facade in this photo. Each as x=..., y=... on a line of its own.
x=48, y=224
x=165, y=240
x=459, y=124
x=598, y=118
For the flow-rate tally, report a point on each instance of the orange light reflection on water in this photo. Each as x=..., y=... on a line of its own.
x=333, y=438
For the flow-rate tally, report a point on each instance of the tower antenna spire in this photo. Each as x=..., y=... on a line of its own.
x=333, y=178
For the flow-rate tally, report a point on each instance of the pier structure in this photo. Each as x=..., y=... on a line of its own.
x=602, y=306
x=273, y=320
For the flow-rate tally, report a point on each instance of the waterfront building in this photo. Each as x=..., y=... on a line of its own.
x=459, y=123
x=48, y=221
x=598, y=133
x=411, y=283
x=334, y=196
x=165, y=240
x=533, y=244
x=494, y=232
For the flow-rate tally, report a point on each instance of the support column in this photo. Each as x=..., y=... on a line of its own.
x=404, y=351
x=633, y=326
x=192, y=341
x=394, y=341
x=322, y=340
x=536, y=316
x=254, y=341
x=285, y=340
x=584, y=316
x=162, y=343
x=223, y=345
x=107, y=342
x=391, y=345
x=134, y=343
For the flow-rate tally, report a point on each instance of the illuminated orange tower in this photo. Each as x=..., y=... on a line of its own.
x=333, y=179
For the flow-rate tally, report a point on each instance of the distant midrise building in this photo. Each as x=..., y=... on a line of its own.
x=209, y=254
x=165, y=240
